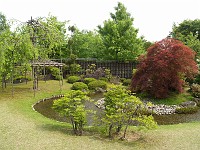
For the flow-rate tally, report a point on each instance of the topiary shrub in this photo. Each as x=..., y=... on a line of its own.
x=88, y=80
x=94, y=85
x=74, y=68
x=187, y=110
x=55, y=72
x=79, y=86
x=126, y=82
x=104, y=79
x=73, y=79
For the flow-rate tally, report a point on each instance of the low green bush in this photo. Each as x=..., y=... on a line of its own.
x=104, y=79
x=21, y=79
x=94, y=85
x=79, y=86
x=58, y=77
x=73, y=79
x=88, y=80
x=197, y=79
x=126, y=82
x=122, y=79
x=55, y=72
x=187, y=110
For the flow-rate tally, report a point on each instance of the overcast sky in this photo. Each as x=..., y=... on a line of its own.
x=153, y=18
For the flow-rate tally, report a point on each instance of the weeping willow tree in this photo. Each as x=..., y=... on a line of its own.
x=40, y=38
x=47, y=35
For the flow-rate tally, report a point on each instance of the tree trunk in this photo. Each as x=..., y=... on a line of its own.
x=118, y=129
x=81, y=128
x=26, y=75
x=125, y=130
x=73, y=125
x=4, y=81
x=2, y=84
x=110, y=130
x=75, y=128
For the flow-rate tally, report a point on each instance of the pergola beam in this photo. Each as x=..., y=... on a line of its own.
x=44, y=63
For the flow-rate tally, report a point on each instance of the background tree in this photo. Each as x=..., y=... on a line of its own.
x=86, y=44
x=188, y=32
x=162, y=69
x=3, y=23
x=4, y=34
x=120, y=37
x=147, y=43
x=18, y=52
x=57, y=37
x=186, y=27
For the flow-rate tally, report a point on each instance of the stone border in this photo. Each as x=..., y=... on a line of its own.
x=160, y=109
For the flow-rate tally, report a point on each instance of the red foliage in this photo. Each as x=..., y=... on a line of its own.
x=160, y=71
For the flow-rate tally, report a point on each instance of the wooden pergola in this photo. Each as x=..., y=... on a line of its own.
x=45, y=63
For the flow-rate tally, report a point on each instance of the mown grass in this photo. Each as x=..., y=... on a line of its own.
x=22, y=128
x=174, y=99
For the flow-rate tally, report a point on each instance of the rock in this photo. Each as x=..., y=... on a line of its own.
x=101, y=90
x=188, y=104
x=100, y=103
x=162, y=109
x=197, y=100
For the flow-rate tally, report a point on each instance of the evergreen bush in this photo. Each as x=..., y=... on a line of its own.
x=94, y=85
x=88, y=80
x=126, y=82
x=79, y=86
x=73, y=79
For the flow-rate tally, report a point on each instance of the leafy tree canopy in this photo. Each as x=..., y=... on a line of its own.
x=121, y=108
x=86, y=44
x=186, y=27
x=72, y=107
x=47, y=35
x=189, y=33
x=120, y=37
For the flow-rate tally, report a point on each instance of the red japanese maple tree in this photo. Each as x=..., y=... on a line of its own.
x=163, y=68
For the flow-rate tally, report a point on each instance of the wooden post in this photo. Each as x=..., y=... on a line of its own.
x=60, y=80
x=44, y=74
x=34, y=81
x=12, y=73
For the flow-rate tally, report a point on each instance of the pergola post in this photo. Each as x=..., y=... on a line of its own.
x=44, y=74
x=60, y=80
x=36, y=65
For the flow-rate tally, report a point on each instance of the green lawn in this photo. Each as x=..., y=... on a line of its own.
x=174, y=99
x=21, y=128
